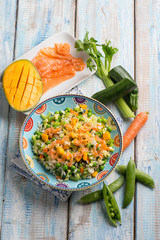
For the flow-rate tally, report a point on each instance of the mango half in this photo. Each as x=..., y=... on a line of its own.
x=22, y=85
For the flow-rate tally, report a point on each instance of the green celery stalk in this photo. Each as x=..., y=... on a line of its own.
x=89, y=45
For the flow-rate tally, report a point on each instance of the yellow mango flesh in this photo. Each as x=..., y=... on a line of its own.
x=22, y=85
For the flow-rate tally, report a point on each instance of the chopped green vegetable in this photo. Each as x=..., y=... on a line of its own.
x=45, y=116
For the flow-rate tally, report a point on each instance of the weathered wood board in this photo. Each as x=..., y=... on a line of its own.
x=28, y=211
x=7, y=33
x=105, y=20
x=148, y=140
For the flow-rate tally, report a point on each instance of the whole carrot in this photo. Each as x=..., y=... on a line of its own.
x=134, y=128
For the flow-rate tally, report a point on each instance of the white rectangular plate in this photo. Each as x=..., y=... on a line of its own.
x=61, y=37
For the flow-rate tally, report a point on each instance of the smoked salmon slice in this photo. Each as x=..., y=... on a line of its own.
x=56, y=64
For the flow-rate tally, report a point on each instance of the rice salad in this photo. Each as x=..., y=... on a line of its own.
x=73, y=144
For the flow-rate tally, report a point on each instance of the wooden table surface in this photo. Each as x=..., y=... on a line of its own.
x=29, y=212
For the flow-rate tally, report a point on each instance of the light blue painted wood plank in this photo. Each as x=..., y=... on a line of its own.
x=51, y=17
x=30, y=212
x=148, y=140
x=7, y=31
x=114, y=21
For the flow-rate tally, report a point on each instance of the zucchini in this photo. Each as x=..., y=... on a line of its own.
x=120, y=89
x=117, y=74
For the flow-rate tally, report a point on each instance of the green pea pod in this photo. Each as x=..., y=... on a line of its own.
x=91, y=197
x=114, y=186
x=130, y=183
x=141, y=177
x=98, y=195
x=111, y=205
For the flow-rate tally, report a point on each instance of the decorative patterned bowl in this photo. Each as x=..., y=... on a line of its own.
x=58, y=103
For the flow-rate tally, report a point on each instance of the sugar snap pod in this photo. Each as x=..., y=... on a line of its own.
x=22, y=85
x=98, y=195
x=130, y=183
x=111, y=205
x=141, y=177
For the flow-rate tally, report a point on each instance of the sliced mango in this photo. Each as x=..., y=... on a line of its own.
x=22, y=85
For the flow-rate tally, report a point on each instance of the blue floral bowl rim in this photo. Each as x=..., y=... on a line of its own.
x=53, y=186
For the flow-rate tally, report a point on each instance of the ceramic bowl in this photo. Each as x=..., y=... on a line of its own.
x=58, y=103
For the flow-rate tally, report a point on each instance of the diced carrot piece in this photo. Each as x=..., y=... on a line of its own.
x=66, y=146
x=106, y=136
x=45, y=150
x=73, y=135
x=94, y=174
x=50, y=135
x=73, y=112
x=83, y=106
x=85, y=142
x=85, y=156
x=78, y=158
x=41, y=156
x=73, y=121
x=89, y=134
x=58, y=177
x=60, y=151
x=68, y=126
x=68, y=156
x=82, y=169
x=44, y=137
